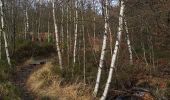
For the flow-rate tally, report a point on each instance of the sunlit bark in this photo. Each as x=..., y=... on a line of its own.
x=128, y=42
x=57, y=37
x=26, y=21
x=115, y=52
x=75, y=33
x=4, y=34
x=103, y=51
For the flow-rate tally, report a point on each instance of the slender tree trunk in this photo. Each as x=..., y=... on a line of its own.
x=68, y=46
x=111, y=41
x=26, y=22
x=62, y=29
x=4, y=35
x=39, y=21
x=110, y=37
x=48, y=28
x=39, y=27
x=84, y=45
x=103, y=50
x=128, y=42
x=57, y=38
x=75, y=34
x=70, y=29
x=94, y=25
x=144, y=53
x=15, y=25
x=1, y=45
x=115, y=53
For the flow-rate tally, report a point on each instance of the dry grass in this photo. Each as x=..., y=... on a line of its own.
x=44, y=84
x=153, y=81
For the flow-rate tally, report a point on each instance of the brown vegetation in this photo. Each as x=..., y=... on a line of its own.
x=45, y=84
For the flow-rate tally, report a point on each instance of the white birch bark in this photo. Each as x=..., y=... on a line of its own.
x=128, y=42
x=26, y=22
x=115, y=52
x=57, y=37
x=75, y=33
x=4, y=35
x=103, y=50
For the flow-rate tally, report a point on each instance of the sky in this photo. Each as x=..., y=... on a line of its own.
x=114, y=2
x=98, y=4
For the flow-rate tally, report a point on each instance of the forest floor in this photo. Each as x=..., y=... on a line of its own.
x=31, y=67
x=22, y=74
x=36, y=81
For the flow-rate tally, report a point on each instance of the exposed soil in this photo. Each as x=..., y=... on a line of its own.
x=21, y=76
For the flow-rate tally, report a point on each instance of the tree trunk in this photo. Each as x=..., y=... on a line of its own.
x=75, y=34
x=4, y=35
x=115, y=52
x=94, y=25
x=39, y=19
x=128, y=42
x=62, y=29
x=48, y=28
x=39, y=22
x=26, y=22
x=84, y=45
x=111, y=40
x=68, y=44
x=1, y=45
x=57, y=38
x=103, y=50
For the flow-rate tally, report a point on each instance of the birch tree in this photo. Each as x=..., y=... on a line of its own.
x=94, y=24
x=62, y=29
x=57, y=36
x=103, y=51
x=128, y=42
x=115, y=52
x=1, y=45
x=84, y=43
x=39, y=20
x=48, y=27
x=110, y=35
x=111, y=41
x=4, y=34
x=75, y=32
x=26, y=20
x=68, y=46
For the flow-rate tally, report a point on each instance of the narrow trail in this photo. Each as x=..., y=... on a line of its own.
x=21, y=76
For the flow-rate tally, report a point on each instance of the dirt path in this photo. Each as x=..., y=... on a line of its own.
x=21, y=76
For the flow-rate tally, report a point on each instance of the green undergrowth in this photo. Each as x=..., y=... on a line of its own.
x=27, y=49
x=23, y=51
x=7, y=89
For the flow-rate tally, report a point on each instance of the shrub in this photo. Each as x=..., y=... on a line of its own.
x=29, y=49
x=8, y=91
x=4, y=70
